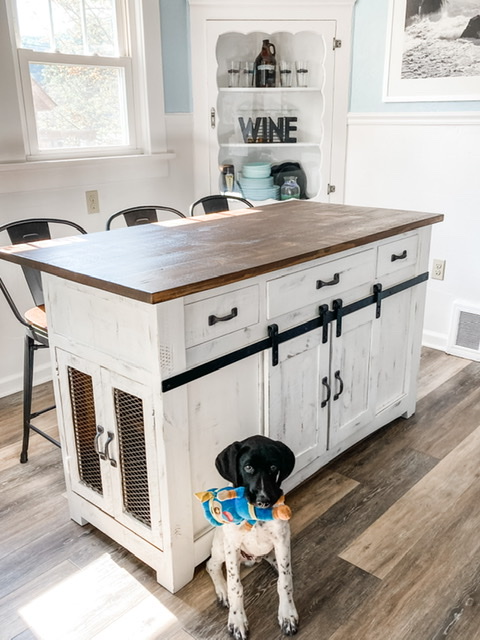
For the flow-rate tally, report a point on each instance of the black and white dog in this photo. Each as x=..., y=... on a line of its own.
x=260, y=465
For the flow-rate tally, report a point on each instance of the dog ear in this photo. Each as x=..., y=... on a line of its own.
x=287, y=460
x=227, y=463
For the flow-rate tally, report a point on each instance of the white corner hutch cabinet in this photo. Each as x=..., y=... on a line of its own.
x=318, y=31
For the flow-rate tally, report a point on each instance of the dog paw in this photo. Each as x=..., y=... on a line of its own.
x=289, y=626
x=222, y=600
x=238, y=634
x=238, y=626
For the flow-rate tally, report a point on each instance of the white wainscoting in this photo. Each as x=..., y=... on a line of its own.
x=425, y=162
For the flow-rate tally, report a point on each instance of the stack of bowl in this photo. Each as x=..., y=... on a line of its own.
x=256, y=181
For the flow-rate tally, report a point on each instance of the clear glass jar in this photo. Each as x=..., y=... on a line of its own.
x=226, y=183
x=290, y=188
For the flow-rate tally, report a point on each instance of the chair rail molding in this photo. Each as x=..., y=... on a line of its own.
x=435, y=118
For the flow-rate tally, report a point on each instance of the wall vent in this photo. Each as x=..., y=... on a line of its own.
x=464, y=338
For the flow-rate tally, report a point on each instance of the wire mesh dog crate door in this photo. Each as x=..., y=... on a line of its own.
x=84, y=426
x=133, y=457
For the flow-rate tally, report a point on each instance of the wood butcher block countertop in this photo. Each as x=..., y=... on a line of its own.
x=161, y=261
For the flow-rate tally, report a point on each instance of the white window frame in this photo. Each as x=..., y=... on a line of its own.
x=144, y=90
x=26, y=56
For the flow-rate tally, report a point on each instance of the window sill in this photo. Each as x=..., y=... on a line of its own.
x=54, y=174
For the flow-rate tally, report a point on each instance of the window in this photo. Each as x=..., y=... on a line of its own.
x=82, y=79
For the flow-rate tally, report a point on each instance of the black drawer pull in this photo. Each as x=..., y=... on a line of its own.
x=107, y=455
x=214, y=319
x=98, y=433
x=340, y=391
x=322, y=283
x=402, y=256
x=329, y=392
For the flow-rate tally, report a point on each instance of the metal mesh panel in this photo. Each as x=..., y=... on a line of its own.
x=133, y=459
x=84, y=426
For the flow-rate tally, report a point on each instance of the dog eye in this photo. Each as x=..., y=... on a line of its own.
x=248, y=468
x=273, y=469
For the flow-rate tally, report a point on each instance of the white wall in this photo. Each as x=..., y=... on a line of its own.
x=416, y=155
x=145, y=185
x=425, y=162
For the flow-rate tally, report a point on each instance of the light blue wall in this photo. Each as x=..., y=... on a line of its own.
x=369, y=41
x=177, y=82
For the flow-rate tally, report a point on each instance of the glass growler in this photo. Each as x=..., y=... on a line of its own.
x=265, y=66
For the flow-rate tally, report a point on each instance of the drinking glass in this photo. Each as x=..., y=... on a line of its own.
x=285, y=73
x=233, y=73
x=302, y=73
x=247, y=74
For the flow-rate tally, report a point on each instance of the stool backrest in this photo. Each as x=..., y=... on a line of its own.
x=219, y=202
x=33, y=230
x=144, y=214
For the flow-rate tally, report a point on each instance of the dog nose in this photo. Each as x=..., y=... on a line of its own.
x=262, y=501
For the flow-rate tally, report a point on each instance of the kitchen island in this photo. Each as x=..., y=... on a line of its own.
x=301, y=321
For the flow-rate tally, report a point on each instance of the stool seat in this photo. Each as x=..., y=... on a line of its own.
x=37, y=317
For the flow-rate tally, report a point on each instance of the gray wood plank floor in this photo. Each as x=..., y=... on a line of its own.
x=385, y=540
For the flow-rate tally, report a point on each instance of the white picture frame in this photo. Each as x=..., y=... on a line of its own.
x=405, y=83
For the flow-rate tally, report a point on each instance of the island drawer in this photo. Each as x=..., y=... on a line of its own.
x=220, y=315
x=397, y=255
x=325, y=281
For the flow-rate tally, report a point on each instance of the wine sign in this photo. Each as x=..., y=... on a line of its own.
x=265, y=129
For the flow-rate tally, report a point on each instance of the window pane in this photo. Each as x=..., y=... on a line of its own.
x=81, y=27
x=34, y=24
x=101, y=28
x=78, y=106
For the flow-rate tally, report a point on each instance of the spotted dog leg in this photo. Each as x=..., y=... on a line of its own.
x=287, y=612
x=272, y=560
x=214, y=568
x=237, y=620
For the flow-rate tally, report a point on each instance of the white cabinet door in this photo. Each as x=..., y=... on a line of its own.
x=110, y=440
x=352, y=399
x=85, y=429
x=133, y=464
x=297, y=407
x=394, y=350
x=223, y=407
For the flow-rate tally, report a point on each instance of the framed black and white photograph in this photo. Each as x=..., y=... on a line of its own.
x=433, y=50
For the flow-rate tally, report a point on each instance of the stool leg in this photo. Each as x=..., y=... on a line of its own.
x=27, y=393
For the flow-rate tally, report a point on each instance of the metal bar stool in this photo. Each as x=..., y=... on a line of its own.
x=34, y=320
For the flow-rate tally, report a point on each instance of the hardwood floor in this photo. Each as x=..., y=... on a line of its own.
x=385, y=540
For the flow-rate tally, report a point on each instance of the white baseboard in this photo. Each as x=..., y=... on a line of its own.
x=435, y=340
x=14, y=384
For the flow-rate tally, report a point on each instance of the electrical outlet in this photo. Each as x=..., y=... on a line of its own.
x=92, y=202
x=438, y=269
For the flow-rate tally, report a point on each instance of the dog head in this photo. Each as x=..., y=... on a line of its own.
x=260, y=465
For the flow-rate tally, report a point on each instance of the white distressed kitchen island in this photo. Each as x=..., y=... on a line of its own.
x=301, y=321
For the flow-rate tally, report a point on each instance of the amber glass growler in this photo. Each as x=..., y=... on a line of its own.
x=265, y=66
